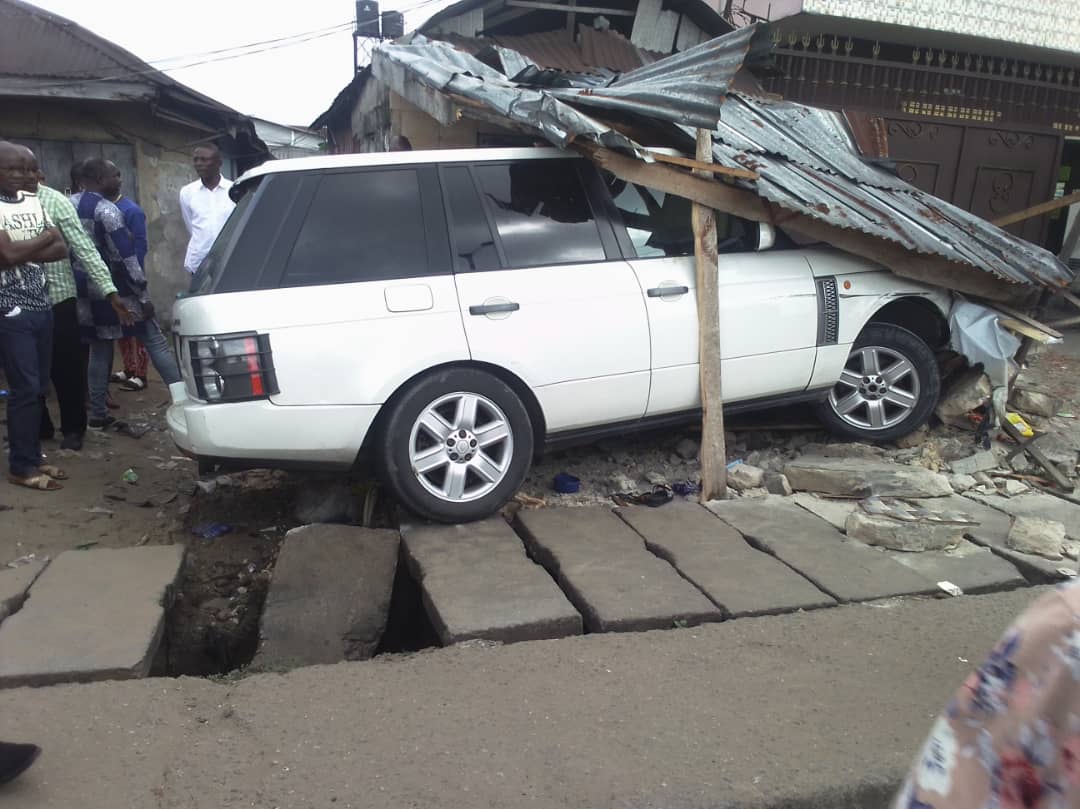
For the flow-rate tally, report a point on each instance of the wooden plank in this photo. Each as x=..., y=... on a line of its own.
x=1066, y=323
x=699, y=165
x=613, y=12
x=1030, y=332
x=648, y=12
x=1068, y=245
x=1037, y=210
x=713, y=451
x=1024, y=318
x=56, y=161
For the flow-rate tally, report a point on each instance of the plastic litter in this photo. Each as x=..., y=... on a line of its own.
x=212, y=530
x=566, y=483
x=950, y=588
x=734, y=463
x=130, y=476
x=1018, y=422
x=686, y=488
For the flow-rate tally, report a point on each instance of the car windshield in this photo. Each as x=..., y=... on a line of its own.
x=209, y=271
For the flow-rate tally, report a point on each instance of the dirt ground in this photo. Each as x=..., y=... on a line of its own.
x=214, y=625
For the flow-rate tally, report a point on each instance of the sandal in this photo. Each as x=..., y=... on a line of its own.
x=55, y=472
x=134, y=383
x=119, y=376
x=40, y=482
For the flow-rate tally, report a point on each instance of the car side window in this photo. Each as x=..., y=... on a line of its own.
x=361, y=226
x=474, y=246
x=658, y=224
x=541, y=212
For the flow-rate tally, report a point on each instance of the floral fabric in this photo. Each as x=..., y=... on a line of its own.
x=1010, y=737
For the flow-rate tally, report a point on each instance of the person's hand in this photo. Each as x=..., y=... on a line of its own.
x=148, y=310
x=122, y=312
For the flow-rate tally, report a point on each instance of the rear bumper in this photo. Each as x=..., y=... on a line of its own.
x=324, y=435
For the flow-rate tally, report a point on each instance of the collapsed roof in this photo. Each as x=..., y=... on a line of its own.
x=788, y=164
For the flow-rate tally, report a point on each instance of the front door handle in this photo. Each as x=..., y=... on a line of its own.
x=664, y=292
x=494, y=308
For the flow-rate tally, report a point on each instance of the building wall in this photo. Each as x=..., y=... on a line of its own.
x=162, y=165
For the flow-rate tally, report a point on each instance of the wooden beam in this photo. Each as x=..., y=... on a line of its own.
x=708, y=168
x=1025, y=318
x=610, y=12
x=713, y=452
x=1037, y=210
x=571, y=18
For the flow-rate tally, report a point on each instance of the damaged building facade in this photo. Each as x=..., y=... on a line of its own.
x=69, y=95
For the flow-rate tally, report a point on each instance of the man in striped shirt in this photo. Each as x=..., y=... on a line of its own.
x=69, y=353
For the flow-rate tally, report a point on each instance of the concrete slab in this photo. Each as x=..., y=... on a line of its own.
x=92, y=615
x=14, y=582
x=972, y=568
x=857, y=477
x=845, y=569
x=477, y=582
x=834, y=512
x=738, y=578
x=991, y=532
x=1036, y=504
x=607, y=572
x=330, y=596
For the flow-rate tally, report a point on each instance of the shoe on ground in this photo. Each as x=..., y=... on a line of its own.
x=15, y=759
x=135, y=383
x=72, y=441
x=101, y=424
x=119, y=376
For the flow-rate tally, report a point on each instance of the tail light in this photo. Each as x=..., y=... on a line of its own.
x=233, y=367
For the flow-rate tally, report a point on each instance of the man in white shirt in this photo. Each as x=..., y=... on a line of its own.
x=205, y=205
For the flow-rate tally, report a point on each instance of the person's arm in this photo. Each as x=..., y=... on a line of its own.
x=136, y=222
x=46, y=246
x=185, y=209
x=123, y=242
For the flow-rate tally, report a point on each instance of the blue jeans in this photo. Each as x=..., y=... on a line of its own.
x=101, y=356
x=26, y=353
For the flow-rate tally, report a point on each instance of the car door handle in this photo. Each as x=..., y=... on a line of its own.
x=494, y=308
x=664, y=292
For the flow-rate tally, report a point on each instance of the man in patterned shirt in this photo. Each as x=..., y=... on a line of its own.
x=27, y=238
x=69, y=353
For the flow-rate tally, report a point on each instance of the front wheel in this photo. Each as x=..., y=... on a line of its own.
x=888, y=388
x=456, y=445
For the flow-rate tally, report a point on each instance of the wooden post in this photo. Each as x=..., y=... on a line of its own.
x=713, y=452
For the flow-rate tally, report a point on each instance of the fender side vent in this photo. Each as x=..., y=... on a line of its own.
x=828, y=300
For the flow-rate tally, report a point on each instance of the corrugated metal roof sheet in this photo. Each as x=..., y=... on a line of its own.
x=37, y=43
x=558, y=50
x=804, y=157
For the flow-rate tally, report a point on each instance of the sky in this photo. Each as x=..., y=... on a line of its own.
x=290, y=81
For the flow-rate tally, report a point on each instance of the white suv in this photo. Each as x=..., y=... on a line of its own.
x=451, y=313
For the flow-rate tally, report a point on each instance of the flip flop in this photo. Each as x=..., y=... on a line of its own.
x=55, y=472
x=39, y=482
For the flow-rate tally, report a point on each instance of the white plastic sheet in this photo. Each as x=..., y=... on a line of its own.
x=976, y=333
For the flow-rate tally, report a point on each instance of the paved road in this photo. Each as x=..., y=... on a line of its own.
x=817, y=709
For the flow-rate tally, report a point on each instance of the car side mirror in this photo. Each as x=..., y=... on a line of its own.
x=766, y=236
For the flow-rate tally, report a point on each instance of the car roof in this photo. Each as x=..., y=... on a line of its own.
x=424, y=156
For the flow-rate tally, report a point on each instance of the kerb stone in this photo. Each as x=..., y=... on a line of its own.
x=607, y=572
x=92, y=615
x=737, y=577
x=477, y=582
x=329, y=599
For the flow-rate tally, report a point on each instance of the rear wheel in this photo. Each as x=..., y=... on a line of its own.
x=888, y=388
x=456, y=445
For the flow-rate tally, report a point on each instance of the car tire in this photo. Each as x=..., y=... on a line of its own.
x=891, y=403
x=455, y=446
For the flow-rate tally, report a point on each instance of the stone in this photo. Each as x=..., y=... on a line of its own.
x=607, y=572
x=14, y=582
x=902, y=535
x=326, y=500
x=983, y=479
x=743, y=476
x=961, y=483
x=757, y=493
x=738, y=578
x=867, y=452
x=777, y=483
x=621, y=483
x=1012, y=488
x=982, y=461
x=845, y=569
x=91, y=615
x=477, y=583
x=1036, y=504
x=656, y=479
x=1037, y=536
x=206, y=486
x=329, y=598
x=1034, y=401
x=856, y=477
x=968, y=391
x=834, y=512
x=687, y=449
x=972, y=568
x=913, y=439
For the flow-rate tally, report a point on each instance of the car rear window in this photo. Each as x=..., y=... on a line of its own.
x=209, y=272
x=361, y=226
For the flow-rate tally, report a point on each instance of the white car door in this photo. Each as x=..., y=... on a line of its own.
x=768, y=306
x=538, y=294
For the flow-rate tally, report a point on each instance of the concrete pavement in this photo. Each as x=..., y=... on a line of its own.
x=821, y=709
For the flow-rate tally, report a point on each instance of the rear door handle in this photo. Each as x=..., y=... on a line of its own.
x=664, y=292
x=494, y=308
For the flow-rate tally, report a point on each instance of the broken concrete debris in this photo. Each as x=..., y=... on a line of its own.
x=900, y=535
x=1045, y=538
x=743, y=477
x=968, y=391
x=962, y=483
x=862, y=478
x=687, y=449
x=1034, y=401
x=982, y=461
x=776, y=483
